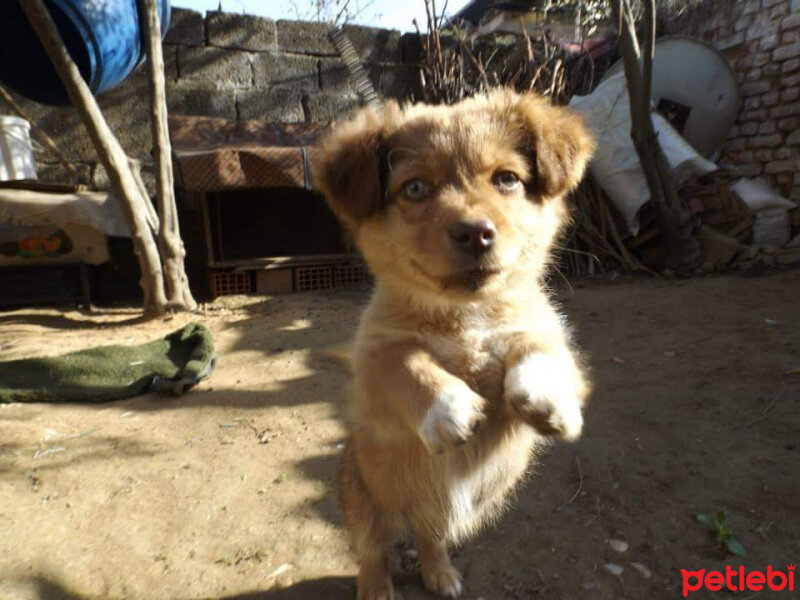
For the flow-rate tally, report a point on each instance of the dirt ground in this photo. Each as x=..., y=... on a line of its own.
x=230, y=490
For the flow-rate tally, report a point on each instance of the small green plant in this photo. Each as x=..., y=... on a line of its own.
x=717, y=524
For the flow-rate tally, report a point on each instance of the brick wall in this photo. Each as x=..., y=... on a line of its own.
x=236, y=67
x=761, y=40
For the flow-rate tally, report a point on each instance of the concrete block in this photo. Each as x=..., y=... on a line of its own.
x=170, y=62
x=735, y=145
x=749, y=170
x=57, y=173
x=779, y=11
x=375, y=45
x=790, y=37
x=201, y=99
x=771, y=99
x=786, y=110
x=765, y=141
x=794, y=140
x=146, y=169
x=276, y=104
x=790, y=94
x=756, y=59
x=333, y=75
x=790, y=66
x=789, y=124
x=767, y=127
x=764, y=155
x=302, y=37
x=760, y=29
x=751, y=7
x=125, y=107
x=728, y=42
x=754, y=75
x=742, y=23
x=786, y=52
x=791, y=80
x=286, y=70
x=332, y=106
x=782, y=166
x=753, y=115
x=127, y=110
x=754, y=88
x=241, y=32
x=790, y=22
x=186, y=28
x=769, y=42
x=224, y=67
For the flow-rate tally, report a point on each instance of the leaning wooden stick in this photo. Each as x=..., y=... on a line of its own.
x=169, y=237
x=110, y=153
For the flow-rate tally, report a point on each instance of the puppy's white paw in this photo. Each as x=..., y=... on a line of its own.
x=452, y=419
x=544, y=391
x=444, y=580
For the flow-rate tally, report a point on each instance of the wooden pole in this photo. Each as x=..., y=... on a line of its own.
x=171, y=245
x=110, y=153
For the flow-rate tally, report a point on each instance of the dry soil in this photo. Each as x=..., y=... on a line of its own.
x=230, y=490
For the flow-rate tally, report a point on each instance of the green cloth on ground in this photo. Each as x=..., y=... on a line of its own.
x=173, y=365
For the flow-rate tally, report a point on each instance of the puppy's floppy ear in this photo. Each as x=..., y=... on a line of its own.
x=347, y=167
x=557, y=143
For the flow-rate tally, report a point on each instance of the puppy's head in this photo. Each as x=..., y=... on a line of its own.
x=458, y=200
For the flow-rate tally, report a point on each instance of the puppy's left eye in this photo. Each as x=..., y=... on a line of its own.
x=506, y=181
x=416, y=190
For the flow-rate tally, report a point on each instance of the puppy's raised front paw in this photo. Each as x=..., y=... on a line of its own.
x=452, y=419
x=544, y=391
x=443, y=580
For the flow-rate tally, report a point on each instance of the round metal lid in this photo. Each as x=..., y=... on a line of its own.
x=695, y=88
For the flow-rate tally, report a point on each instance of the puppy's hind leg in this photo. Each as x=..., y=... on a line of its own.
x=439, y=575
x=371, y=532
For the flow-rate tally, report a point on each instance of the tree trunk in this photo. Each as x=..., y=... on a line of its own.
x=169, y=237
x=111, y=154
x=675, y=226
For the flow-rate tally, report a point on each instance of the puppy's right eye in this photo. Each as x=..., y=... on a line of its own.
x=416, y=189
x=506, y=181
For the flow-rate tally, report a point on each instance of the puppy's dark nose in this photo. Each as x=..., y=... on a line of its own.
x=475, y=237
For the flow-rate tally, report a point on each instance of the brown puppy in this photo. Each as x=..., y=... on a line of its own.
x=462, y=368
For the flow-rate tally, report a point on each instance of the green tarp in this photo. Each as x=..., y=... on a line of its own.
x=171, y=365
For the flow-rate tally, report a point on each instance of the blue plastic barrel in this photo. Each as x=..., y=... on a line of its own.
x=103, y=37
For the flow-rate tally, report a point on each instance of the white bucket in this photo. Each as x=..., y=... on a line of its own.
x=16, y=153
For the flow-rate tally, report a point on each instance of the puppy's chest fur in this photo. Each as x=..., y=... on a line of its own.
x=475, y=354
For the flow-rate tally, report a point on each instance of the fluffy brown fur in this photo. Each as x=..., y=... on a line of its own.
x=462, y=367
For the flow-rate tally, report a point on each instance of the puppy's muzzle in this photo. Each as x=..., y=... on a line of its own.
x=473, y=237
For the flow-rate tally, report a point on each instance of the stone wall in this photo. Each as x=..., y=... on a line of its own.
x=236, y=67
x=761, y=40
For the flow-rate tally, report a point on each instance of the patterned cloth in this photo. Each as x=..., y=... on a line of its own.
x=213, y=155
